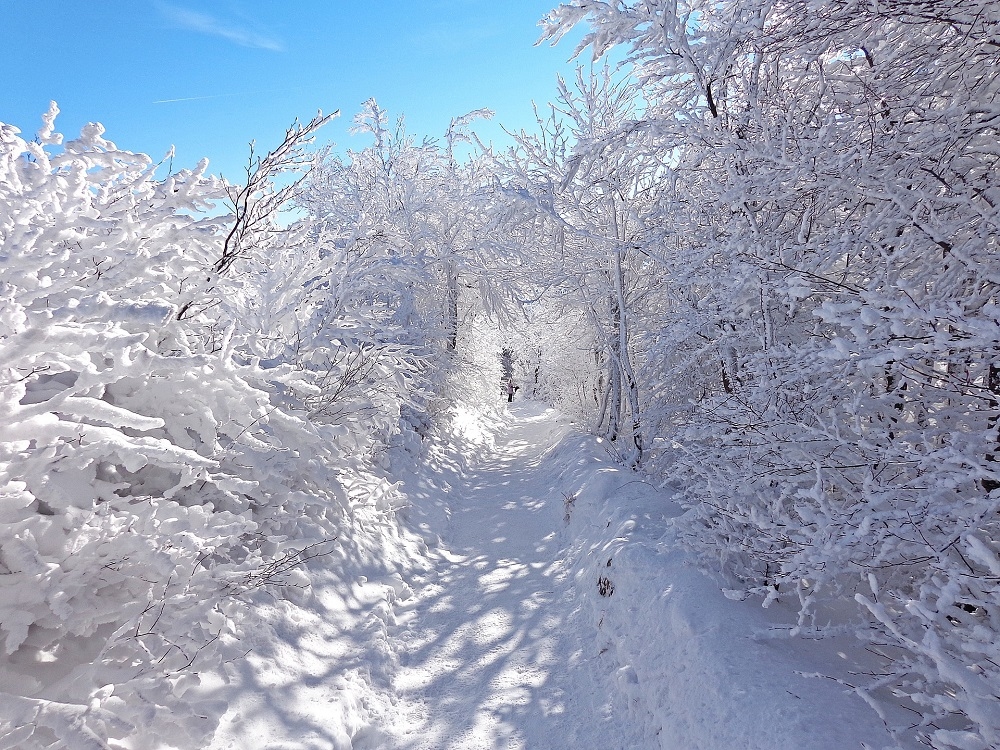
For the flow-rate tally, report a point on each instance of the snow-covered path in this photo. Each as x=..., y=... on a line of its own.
x=508, y=640
x=489, y=654
x=486, y=612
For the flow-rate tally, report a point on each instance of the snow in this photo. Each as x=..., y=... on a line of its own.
x=489, y=651
x=486, y=626
x=237, y=480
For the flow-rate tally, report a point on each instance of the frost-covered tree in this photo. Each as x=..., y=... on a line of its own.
x=592, y=171
x=410, y=230
x=831, y=240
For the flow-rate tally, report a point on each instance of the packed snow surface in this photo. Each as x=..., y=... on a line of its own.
x=539, y=602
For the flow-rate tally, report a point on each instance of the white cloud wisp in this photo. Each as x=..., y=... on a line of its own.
x=206, y=24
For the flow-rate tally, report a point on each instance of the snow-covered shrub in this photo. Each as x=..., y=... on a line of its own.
x=830, y=236
x=151, y=469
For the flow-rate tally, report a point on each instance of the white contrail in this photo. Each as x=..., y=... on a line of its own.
x=190, y=98
x=222, y=96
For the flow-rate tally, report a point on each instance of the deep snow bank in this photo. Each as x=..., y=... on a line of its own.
x=318, y=665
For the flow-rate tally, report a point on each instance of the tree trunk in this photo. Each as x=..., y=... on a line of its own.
x=614, y=398
x=993, y=423
x=451, y=308
x=624, y=357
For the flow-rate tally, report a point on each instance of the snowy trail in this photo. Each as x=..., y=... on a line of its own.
x=474, y=619
x=489, y=654
x=506, y=641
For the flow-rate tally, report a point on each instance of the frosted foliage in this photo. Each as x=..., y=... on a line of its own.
x=408, y=246
x=589, y=182
x=556, y=360
x=152, y=469
x=824, y=378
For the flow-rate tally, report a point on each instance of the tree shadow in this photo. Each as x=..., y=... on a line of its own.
x=485, y=657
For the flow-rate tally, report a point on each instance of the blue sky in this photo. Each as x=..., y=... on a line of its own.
x=208, y=77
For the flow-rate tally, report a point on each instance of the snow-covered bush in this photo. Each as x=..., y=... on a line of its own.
x=829, y=381
x=151, y=469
